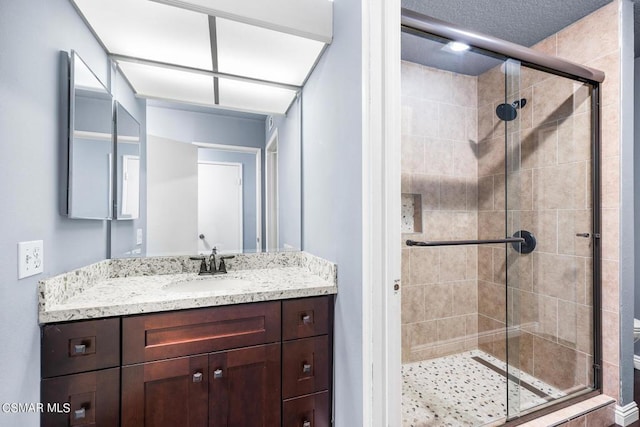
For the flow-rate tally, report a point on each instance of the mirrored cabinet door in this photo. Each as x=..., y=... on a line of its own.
x=90, y=144
x=127, y=154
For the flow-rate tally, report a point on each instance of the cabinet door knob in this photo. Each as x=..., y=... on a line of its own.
x=306, y=318
x=306, y=368
x=306, y=423
x=217, y=373
x=79, y=414
x=79, y=348
x=197, y=377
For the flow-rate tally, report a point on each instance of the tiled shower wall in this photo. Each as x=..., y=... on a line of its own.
x=439, y=163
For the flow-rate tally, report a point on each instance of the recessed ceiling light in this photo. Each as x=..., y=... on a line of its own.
x=458, y=46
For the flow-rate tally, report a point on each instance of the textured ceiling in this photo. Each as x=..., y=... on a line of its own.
x=518, y=21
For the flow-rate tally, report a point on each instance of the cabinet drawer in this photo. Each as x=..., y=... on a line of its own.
x=305, y=366
x=87, y=399
x=307, y=411
x=88, y=345
x=307, y=317
x=182, y=333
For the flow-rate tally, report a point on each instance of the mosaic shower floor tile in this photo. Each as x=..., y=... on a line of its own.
x=464, y=390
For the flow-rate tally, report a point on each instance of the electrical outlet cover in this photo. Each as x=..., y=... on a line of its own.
x=30, y=258
x=139, y=236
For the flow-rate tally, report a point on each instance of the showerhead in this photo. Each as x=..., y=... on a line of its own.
x=507, y=112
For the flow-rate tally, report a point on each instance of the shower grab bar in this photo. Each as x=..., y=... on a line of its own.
x=465, y=242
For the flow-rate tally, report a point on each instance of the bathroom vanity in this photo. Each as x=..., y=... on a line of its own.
x=257, y=354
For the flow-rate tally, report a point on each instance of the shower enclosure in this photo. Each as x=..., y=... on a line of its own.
x=500, y=217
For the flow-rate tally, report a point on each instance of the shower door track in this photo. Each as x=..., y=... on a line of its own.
x=465, y=242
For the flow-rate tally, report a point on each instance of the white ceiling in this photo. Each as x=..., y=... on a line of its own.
x=208, y=49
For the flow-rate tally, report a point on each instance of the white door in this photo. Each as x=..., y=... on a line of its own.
x=130, y=186
x=220, y=207
x=172, y=197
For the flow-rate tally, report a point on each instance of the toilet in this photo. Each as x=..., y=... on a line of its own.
x=636, y=330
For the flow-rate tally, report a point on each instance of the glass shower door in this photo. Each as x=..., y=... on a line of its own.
x=511, y=113
x=549, y=278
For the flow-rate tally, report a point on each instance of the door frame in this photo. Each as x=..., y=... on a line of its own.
x=258, y=153
x=381, y=212
x=273, y=140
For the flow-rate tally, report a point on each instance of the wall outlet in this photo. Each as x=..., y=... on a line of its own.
x=139, y=236
x=30, y=258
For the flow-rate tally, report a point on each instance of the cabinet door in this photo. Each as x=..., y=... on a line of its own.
x=244, y=387
x=88, y=399
x=166, y=393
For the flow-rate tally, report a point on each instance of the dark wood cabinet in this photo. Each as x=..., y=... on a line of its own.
x=244, y=387
x=247, y=365
x=307, y=361
x=69, y=348
x=307, y=411
x=204, y=330
x=81, y=374
x=87, y=399
x=171, y=392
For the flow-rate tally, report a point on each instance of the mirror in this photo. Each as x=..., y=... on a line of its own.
x=219, y=178
x=90, y=144
x=127, y=154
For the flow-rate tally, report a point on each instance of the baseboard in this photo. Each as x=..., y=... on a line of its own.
x=625, y=415
x=636, y=361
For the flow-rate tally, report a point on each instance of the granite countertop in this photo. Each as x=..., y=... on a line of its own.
x=143, y=285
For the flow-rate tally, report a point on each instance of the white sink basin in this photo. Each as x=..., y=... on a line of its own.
x=207, y=284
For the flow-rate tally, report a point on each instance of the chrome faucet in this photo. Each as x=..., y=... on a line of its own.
x=212, y=268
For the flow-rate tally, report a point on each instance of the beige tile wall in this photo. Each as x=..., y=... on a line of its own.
x=439, y=162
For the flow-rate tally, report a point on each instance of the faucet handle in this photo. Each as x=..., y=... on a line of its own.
x=203, y=262
x=223, y=266
x=214, y=251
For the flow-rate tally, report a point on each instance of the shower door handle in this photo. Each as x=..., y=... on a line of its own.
x=465, y=242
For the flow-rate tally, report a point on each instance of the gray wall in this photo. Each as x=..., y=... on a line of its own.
x=32, y=34
x=636, y=153
x=249, y=207
x=191, y=126
x=332, y=193
x=289, y=176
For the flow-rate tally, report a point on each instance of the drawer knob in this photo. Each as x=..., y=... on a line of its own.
x=217, y=373
x=306, y=423
x=306, y=319
x=79, y=414
x=197, y=377
x=306, y=368
x=79, y=348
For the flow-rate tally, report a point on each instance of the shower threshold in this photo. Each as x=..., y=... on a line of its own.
x=467, y=389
